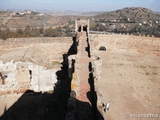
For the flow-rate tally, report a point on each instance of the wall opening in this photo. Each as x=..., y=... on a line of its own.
x=102, y=48
x=30, y=72
x=79, y=29
x=85, y=28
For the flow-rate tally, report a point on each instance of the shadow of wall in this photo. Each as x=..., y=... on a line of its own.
x=54, y=105
x=47, y=106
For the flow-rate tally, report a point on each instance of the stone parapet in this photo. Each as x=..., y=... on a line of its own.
x=96, y=71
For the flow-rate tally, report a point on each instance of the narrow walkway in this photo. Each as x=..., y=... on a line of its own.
x=84, y=110
x=84, y=70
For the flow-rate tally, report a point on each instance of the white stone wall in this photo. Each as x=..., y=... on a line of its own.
x=18, y=73
x=42, y=79
x=8, y=69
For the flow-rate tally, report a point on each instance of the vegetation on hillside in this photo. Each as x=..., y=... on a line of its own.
x=36, y=32
x=133, y=20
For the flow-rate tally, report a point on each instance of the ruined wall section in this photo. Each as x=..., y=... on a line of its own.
x=96, y=71
x=25, y=75
x=147, y=45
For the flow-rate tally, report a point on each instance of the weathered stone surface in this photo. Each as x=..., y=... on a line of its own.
x=147, y=45
x=24, y=73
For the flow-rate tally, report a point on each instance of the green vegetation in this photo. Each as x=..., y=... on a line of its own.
x=153, y=73
x=55, y=62
x=35, y=32
x=141, y=66
x=49, y=32
x=147, y=73
x=121, y=64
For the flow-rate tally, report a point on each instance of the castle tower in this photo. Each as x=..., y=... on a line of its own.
x=82, y=25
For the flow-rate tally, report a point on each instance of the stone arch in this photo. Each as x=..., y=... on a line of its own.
x=102, y=48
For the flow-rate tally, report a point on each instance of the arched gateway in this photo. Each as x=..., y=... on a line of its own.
x=102, y=48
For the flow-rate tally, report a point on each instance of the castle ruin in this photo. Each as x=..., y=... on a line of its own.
x=39, y=63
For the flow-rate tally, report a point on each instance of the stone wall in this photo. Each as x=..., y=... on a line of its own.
x=42, y=79
x=147, y=45
x=96, y=71
x=18, y=74
x=22, y=75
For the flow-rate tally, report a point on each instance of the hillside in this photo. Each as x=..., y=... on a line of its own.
x=19, y=19
x=134, y=20
x=133, y=14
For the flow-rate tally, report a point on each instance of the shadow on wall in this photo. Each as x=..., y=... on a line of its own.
x=88, y=48
x=73, y=49
x=92, y=96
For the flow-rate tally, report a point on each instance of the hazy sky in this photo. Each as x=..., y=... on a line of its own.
x=79, y=5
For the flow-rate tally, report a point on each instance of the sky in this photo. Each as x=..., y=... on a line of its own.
x=79, y=5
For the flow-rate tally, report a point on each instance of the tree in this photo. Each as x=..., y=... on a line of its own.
x=8, y=32
x=58, y=31
x=4, y=35
x=41, y=30
x=19, y=33
x=35, y=32
x=92, y=26
x=49, y=32
x=27, y=31
x=1, y=34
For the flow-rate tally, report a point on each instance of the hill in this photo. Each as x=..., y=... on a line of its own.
x=134, y=14
x=134, y=20
x=19, y=19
